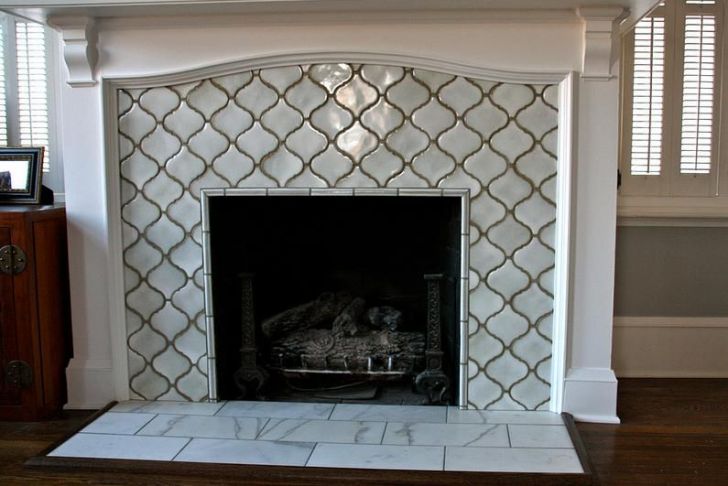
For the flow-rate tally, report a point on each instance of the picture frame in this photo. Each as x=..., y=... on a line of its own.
x=20, y=175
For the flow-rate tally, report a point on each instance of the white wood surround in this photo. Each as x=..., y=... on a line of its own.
x=467, y=33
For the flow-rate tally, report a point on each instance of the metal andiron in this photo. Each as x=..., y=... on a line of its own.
x=249, y=378
x=433, y=382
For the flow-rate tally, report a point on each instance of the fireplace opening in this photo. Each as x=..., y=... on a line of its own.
x=344, y=298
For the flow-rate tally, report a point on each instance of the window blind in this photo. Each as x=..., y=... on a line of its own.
x=696, y=137
x=647, y=96
x=3, y=91
x=32, y=86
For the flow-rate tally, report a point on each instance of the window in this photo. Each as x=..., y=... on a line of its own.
x=671, y=104
x=24, y=86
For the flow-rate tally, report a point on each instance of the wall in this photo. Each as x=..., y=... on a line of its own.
x=152, y=46
x=670, y=301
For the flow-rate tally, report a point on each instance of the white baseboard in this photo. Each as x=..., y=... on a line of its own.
x=90, y=384
x=590, y=395
x=670, y=347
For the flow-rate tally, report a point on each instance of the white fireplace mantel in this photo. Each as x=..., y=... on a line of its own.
x=141, y=39
x=466, y=9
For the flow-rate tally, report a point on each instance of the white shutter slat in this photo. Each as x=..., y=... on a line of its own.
x=696, y=134
x=647, y=96
x=3, y=91
x=32, y=86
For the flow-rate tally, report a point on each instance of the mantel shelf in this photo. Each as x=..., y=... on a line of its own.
x=473, y=10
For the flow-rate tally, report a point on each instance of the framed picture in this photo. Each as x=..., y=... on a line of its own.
x=20, y=175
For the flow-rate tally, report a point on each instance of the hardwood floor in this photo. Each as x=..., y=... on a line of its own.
x=673, y=432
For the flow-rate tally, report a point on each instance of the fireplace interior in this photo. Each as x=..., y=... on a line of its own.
x=339, y=293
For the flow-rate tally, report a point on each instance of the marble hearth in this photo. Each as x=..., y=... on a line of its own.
x=327, y=435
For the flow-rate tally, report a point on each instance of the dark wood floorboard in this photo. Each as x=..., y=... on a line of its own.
x=673, y=432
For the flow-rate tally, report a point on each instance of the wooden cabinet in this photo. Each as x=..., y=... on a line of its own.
x=35, y=343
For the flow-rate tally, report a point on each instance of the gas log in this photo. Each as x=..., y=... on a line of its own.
x=339, y=332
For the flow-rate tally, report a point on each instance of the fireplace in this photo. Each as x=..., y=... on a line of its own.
x=346, y=295
x=344, y=129
x=133, y=73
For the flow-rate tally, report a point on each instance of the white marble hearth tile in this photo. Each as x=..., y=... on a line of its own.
x=314, y=411
x=456, y=416
x=466, y=435
x=246, y=452
x=200, y=426
x=539, y=436
x=108, y=446
x=118, y=423
x=338, y=431
x=512, y=460
x=389, y=413
x=174, y=408
x=377, y=456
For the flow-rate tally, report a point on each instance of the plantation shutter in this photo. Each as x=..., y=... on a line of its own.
x=648, y=82
x=697, y=121
x=671, y=101
x=3, y=91
x=32, y=86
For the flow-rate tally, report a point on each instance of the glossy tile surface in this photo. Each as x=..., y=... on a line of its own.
x=539, y=436
x=443, y=438
x=186, y=408
x=377, y=457
x=292, y=410
x=389, y=413
x=446, y=434
x=199, y=426
x=246, y=452
x=120, y=447
x=342, y=125
x=119, y=423
x=337, y=431
x=456, y=416
x=512, y=460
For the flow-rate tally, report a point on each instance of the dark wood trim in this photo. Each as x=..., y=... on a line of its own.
x=581, y=451
x=32, y=461
x=250, y=474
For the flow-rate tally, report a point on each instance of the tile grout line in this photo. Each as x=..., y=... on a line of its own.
x=315, y=445
x=444, y=455
x=181, y=449
x=145, y=424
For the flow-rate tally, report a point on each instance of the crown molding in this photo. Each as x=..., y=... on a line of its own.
x=79, y=48
x=402, y=10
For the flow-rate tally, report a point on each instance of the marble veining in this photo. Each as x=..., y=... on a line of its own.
x=281, y=433
x=312, y=411
x=446, y=434
x=246, y=452
x=347, y=432
x=389, y=413
x=198, y=426
x=457, y=416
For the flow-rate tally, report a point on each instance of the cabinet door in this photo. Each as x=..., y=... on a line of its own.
x=9, y=394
